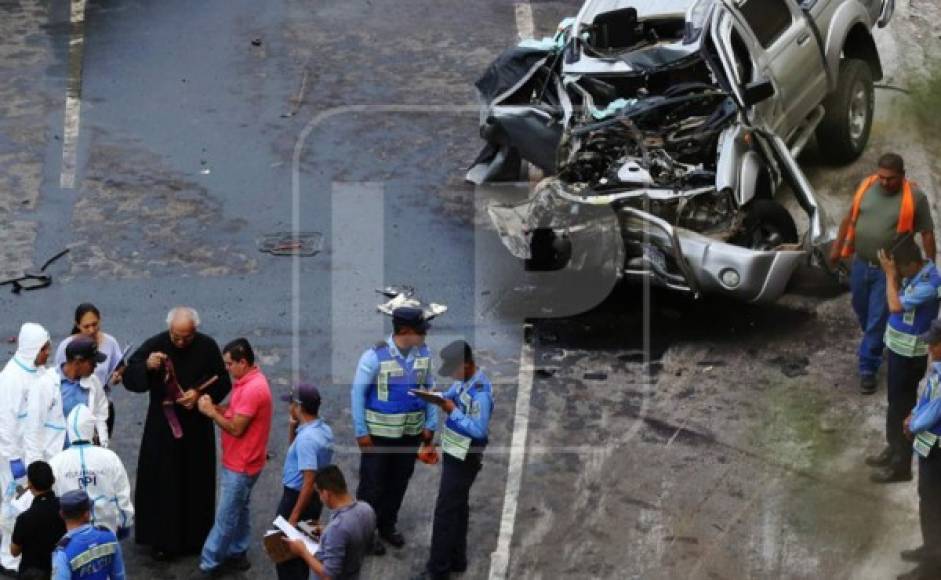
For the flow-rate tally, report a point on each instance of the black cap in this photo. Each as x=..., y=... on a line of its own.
x=85, y=348
x=74, y=503
x=410, y=317
x=306, y=395
x=933, y=335
x=453, y=356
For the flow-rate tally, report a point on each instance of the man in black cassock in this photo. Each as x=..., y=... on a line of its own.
x=176, y=471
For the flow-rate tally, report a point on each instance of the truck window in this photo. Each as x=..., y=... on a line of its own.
x=768, y=19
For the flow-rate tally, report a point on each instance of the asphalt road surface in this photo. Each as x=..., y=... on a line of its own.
x=666, y=438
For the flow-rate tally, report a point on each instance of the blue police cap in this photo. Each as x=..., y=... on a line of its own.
x=410, y=317
x=933, y=335
x=453, y=356
x=74, y=503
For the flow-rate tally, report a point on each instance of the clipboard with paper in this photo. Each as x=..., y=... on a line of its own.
x=275, y=546
x=433, y=397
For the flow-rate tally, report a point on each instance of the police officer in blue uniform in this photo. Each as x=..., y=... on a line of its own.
x=912, y=286
x=389, y=422
x=85, y=552
x=924, y=426
x=468, y=404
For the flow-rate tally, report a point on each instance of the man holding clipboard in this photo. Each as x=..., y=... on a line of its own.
x=468, y=404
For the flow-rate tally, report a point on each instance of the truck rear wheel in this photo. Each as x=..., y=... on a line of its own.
x=844, y=131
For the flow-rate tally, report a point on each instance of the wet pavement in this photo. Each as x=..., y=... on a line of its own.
x=668, y=437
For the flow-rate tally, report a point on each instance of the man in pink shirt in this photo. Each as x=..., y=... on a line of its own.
x=245, y=424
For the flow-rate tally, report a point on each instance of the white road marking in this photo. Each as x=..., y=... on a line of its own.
x=500, y=558
x=73, y=97
x=524, y=20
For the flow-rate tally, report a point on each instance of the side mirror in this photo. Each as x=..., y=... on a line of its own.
x=757, y=92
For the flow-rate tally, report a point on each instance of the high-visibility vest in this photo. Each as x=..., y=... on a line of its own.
x=925, y=441
x=455, y=441
x=904, y=329
x=90, y=551
x=391, y=411
x=906, y=221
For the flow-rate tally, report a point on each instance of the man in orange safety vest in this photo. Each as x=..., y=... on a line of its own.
x=886, y=204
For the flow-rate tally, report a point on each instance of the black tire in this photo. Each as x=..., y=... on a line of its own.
x=842, y=140
x=767, y=225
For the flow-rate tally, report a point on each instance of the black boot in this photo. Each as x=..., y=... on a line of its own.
x=891, y=475
x=924, y=571
x=882, y=459
x=919, y=554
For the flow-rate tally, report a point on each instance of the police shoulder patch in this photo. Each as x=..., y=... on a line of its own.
x=64, y=542
x=380, y=345
x=102, y=528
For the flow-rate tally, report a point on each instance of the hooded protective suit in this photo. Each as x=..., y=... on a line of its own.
x=96, y=470
x=44, y=427
x=17, y=379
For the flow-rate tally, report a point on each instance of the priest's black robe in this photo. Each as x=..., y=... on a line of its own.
x=175, y=496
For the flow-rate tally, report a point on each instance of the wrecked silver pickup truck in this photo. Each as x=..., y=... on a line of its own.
x=675, y=122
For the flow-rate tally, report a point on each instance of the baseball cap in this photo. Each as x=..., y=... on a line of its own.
x=306, y=395
x=74, y=503
x=410, y=317
x=454, y=355
x=85, y=348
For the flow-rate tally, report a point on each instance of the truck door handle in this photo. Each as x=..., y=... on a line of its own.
x=803, y=38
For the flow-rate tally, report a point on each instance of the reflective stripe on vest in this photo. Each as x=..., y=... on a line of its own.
x=387, y=368
x=455, y=444
x=394, y=425
x=904, y=329
x=91, y=554
x=906, y=221
x=904, y=344
x=925, y=441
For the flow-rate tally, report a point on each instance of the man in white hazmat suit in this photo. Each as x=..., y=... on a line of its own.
x=44, y=425
x=97, y=471
x=21, y=374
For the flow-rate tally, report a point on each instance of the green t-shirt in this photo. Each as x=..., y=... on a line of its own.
x=879, y=219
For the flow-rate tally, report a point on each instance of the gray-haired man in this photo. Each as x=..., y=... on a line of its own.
x=176, y=471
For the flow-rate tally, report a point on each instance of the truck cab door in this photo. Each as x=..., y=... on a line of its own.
x=785, y=48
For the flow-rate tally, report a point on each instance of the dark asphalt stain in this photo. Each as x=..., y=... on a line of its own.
x=791, y=365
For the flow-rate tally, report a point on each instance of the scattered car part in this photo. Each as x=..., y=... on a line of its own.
x=404, y=296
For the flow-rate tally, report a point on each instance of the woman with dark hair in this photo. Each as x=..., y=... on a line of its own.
x=87, y=322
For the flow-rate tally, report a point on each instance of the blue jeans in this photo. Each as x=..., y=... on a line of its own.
x=867, y=283
x=231, y=532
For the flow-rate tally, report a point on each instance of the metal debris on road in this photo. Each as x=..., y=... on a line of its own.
x=291, y=244
x=595, y=376
x=404, y=296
